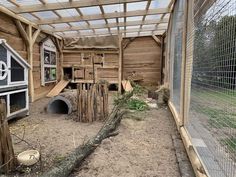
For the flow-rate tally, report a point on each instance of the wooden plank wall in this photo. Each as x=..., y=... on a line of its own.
x=109, y=70
x=143, y=56
x=9, y=32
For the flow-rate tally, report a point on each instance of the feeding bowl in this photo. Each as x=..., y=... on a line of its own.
x=29, y=157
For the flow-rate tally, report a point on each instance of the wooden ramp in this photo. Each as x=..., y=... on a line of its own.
x=58, y=88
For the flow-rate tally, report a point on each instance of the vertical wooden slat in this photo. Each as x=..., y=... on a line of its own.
x=7, y=157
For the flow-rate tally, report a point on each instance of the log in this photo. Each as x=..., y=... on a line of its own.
x=74, y=159
x=65, y=103
x=7, y=158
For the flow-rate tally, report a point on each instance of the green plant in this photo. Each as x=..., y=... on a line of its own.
x=136, y=104
x=137, y=89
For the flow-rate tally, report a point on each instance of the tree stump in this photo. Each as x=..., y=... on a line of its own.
x=7, y=158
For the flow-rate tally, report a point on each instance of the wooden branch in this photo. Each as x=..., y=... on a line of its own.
x=128, y=41
x=35, y=35
x=22, y=32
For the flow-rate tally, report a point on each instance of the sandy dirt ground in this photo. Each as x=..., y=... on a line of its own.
x=56, y=134
x=143, y=147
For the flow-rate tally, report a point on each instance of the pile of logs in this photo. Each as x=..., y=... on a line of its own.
x=7, y=157
x=92, y=102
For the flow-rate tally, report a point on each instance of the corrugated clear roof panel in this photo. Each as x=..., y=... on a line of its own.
x=61, y=25
x=133, y=27
x=90, y=10
x=6, y=3
x=86, y=31
x=163, y=25
x=113, y=8
x=56, y=1
x=132, y=34
x=136, y=6
x=77, y=24
x=28, y=16
x=113, y=30
x=159, y=4
x=111, y=20
x=68, y=12
x=153, y=17
x=70, y=32
x=121, y=19
x=27, y=2
x=46, y=27
x=145, y=33
x=46, y=15
x=137, y=18
x=151, y=27
x=97, y=22
x=103, y=30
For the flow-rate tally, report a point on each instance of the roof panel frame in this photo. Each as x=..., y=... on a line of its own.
x=105, y=16
x=66, y=5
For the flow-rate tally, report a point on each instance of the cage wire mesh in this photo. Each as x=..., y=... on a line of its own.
x=176, y=52
x=211, y=58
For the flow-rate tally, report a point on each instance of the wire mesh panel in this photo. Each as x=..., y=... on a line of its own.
x=176, y=52
x=211, y=57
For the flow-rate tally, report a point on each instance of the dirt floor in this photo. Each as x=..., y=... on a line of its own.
x=143, y=147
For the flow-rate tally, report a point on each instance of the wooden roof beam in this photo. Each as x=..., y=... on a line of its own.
x=157, y=32
x=66, y=5
x=147, y=7
x=15, y=3
x=100, y=16
x=103, y=13
x=112, y=25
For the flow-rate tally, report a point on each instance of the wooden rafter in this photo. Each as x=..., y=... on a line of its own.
x=111, y=25
x=102, y=10
x=66, y=5
x=14, y=2
x=147, y=7
x=126, y=31
x=43, y=2
x=125, y=10
x=106, y=16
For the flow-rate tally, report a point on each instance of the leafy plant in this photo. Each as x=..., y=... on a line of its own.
x=136, y=104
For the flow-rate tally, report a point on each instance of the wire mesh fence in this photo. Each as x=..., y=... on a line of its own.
x=211, y=58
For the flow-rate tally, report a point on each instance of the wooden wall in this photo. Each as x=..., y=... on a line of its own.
x=143, y=56
x=9, y=32
x=107, y=71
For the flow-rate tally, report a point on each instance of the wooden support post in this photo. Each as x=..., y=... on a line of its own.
x=7, y=157
x=120, y=63
x=29, y=38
